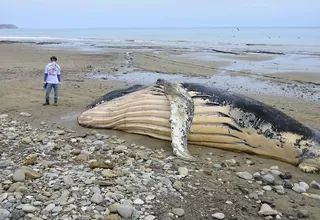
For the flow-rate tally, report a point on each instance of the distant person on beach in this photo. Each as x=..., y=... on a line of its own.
x=52, y=79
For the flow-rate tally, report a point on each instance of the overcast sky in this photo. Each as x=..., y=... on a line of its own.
x=155, y=13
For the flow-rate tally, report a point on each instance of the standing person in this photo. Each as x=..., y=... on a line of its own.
x=52, y=78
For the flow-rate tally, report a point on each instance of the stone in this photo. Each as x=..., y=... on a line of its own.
x=28, y=208
x=106, y=173
x=57, y=209
x=114, y=207
x=16, y=214
x=304, y=185
x=268, y=179
x=25, y=114
x=244, y=175
x=17, y=187
x=98, y=143
x=30, y=173
x=279, y=189
x=82, y=157
x=177, y=185
x=101, y=164
x=257, y=176
x=183, y=171
x=4, y=213
x=178, y=211
x=302, y=214
x=274, y=168
x=18, y=176
x=97, y=198
x=125, y=210
x=149, y=217
x=112, y=217
x=315, y=185
x=266, y=210
x=218, y=215
x=3, y=196
x=253, y=196
x=297, y=188
x=26, y=140
x=275, y=172
x=68, y=180
x=249, y=162
x=138, y=202
x=267, y=188
x=120, y=148
x=286, y=175
x=50, y=207
x=288, y=184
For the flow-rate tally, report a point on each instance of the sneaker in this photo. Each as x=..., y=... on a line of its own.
x=47, y=103
x=55, y=104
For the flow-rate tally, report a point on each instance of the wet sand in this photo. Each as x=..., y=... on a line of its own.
x=87, y=75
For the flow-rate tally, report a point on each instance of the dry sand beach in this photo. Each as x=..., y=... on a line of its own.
x=208, y=189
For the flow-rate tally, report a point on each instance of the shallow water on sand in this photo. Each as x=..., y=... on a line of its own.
x=266, y=63
x=227, y=82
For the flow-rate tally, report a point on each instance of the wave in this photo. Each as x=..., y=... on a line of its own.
x=138, y=41
x=209, y=46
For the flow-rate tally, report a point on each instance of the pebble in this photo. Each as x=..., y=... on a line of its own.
x=68, y=180
x=50, y=207
x=268, y=179
x=276, y=172
x=25, y=114
x=257, y=176
x=183, y=171
x=4, y=213
x=16, y=214
x=138, y=202
x=3, y=196
x=266, y=210
x=267, y=188
x=286, y=175
x=304, y=185
x=57, y=209
x=279, y=189
x=302, y=214
x=150, y=217
x=178, y=211
x=75, y=175
x=120, y=148
x=288, y=184
x=19, y=176
x=125, y=210
x=28, y=208
x=315, y=185
x=244, y=175
x=218, y=215
x=298, y=188
x=274, y=168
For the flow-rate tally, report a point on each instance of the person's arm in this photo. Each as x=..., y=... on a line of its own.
x=58, y=75
x=45, y=75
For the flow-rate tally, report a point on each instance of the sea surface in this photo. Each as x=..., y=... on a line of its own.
x=304, y=40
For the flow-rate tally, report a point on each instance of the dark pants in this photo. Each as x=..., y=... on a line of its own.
x=55, y=90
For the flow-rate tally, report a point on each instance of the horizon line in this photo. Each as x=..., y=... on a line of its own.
x=224, y=26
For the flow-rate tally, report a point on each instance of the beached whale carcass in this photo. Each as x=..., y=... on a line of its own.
x=208, y=116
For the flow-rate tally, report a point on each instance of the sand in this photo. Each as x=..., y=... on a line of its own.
x=21, y=80
x=22, y=67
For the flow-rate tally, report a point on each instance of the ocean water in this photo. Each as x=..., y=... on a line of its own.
x=289, y=39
